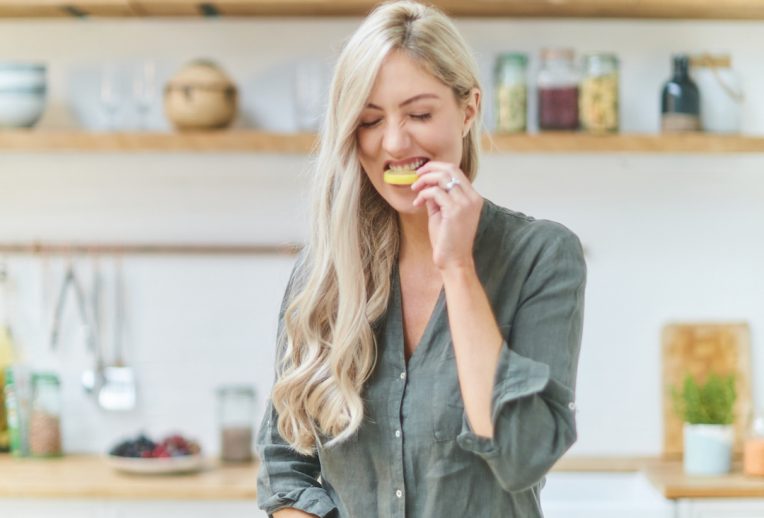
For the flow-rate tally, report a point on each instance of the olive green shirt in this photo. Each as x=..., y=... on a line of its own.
x=415, y=454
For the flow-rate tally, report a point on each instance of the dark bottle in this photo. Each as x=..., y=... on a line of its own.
x=680, y=99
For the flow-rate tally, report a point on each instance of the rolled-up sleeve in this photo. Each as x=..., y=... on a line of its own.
x=287, y=479
x=533, y=409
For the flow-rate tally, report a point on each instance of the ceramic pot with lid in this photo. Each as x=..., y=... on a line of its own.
x=201, y=97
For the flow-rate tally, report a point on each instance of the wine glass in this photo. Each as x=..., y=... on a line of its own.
x=144, y=90
x=110, y=93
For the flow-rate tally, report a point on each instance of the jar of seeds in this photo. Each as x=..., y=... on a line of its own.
x=45, y=416
x=511, y=86
x=236, y=415
x=598, y=96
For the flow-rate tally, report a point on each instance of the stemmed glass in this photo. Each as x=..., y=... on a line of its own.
x=110, y=94
x=144, y=90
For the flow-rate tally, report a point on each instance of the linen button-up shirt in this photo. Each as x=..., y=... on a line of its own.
x=415, y=455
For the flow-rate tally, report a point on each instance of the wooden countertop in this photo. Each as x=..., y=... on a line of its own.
x=669, y=479
x=89, y=476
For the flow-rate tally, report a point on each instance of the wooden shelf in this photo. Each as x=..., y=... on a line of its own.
x=661, y=9
x=301, y=143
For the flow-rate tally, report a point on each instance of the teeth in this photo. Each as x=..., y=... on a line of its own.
x=406, y=167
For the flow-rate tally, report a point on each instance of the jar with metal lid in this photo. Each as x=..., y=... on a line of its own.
x=511, y=86
x=598, y=96
x=45, y=415
x=236, y=414
x=557, y=83
x=721, y=93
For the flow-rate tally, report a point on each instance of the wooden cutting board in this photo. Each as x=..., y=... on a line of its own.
x=700, y=349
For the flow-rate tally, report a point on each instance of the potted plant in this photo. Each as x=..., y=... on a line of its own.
x=706, y=409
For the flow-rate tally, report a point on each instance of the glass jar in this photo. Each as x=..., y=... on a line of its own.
x=598, y=96
x=721, y=93
x=45, y=415
x=511, y=85
x=557, y=83
x=236, y=415
x=753, y=450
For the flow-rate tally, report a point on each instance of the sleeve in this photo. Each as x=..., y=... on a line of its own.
x=533, y=409
x=287, y=479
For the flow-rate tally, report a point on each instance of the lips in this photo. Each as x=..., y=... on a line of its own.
x=409, y=164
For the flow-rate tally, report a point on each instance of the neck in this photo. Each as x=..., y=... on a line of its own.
x=415, y=239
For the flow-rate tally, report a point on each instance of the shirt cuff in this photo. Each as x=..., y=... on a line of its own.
x=517, y=376
x=313, y=500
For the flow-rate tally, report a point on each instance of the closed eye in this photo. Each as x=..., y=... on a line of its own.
x=369, y=124
x=421, y=116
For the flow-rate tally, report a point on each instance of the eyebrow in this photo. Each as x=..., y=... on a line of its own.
x=407, y=101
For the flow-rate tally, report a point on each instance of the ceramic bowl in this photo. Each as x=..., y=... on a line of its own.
x=23, y=92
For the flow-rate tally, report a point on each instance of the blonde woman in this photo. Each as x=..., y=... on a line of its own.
x=429, y=338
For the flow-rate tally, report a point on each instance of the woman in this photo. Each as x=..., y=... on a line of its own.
x=428, y=338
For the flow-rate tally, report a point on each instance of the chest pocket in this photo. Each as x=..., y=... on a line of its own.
x=447, y=403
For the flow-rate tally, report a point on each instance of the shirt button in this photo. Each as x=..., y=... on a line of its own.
x=403, y=375
x=572, y=405
x=397, y=433
x=399, y=493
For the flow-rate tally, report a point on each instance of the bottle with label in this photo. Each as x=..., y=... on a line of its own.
x=680, y=100
x=557, y=83
x=511, y=85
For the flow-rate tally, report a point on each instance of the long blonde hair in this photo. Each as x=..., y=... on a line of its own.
x=341, y=283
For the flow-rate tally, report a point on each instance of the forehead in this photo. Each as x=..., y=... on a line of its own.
x=401, y=77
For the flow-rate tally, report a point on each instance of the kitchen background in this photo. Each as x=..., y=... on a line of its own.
x=668, y=237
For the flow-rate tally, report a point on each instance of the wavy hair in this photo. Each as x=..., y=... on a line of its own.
x=341, y=282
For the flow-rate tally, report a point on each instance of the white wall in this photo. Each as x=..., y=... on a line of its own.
x=668, y=236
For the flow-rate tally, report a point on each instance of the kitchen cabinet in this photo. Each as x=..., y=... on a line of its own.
x=126, y=509
x=720, y=508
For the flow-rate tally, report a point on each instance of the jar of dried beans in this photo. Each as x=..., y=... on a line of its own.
x=598, y=98
x=45, y=415
x=557, y=83
x=511, y=85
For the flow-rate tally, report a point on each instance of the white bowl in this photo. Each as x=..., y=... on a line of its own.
x=15, y=76
x=23, y=90
x=156, y=466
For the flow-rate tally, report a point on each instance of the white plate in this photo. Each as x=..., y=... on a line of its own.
x=160, y=466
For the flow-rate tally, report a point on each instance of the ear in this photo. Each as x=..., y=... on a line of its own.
x=471, y=109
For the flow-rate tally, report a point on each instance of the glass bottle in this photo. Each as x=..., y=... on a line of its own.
x=680, y=100
x=753, y=450
x=511, y=86
x=7, y=358
x=598, y=98
x=45, y=418
x=557, y=83
x=236, y=415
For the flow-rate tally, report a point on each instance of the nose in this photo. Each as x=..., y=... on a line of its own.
x=395, y=140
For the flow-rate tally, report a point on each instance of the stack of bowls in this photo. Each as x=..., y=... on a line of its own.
x=23, y=89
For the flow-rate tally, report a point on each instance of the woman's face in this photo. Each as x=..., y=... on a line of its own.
x=409, y=117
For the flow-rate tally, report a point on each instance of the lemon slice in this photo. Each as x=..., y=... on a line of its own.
x=402, y=177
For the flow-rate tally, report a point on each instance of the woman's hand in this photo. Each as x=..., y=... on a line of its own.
x=292, y=513
x=454, y=214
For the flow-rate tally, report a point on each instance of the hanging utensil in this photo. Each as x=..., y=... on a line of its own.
x=118, y=392
x=71, y=281
x=92, y=380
